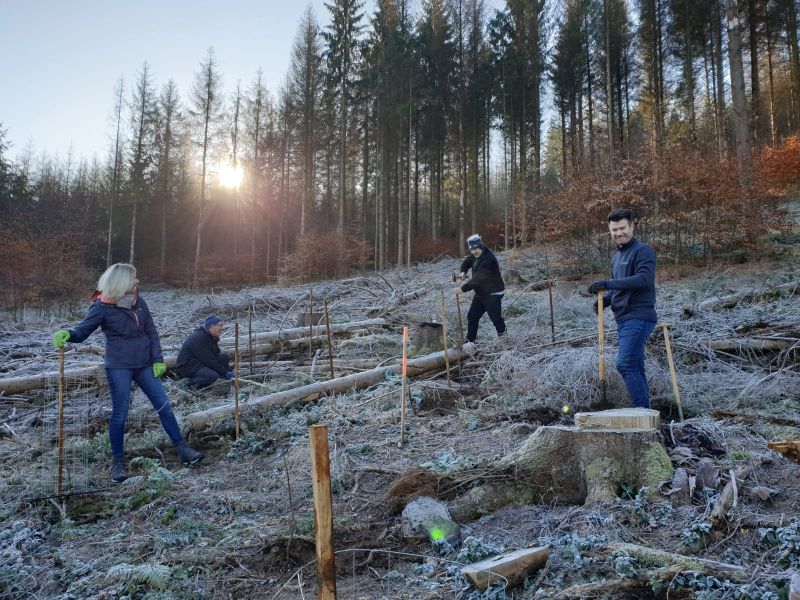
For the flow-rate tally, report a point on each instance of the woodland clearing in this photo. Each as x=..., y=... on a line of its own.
x=241, y=524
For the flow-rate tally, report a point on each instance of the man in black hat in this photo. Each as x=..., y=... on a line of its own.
x=487, y=283
x=200, y=359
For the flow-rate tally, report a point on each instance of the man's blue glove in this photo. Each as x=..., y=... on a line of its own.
x=60, y=338
x=597, y=286
x=229, y=375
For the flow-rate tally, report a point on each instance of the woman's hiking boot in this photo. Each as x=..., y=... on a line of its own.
x=188, y=455
x=118, y=472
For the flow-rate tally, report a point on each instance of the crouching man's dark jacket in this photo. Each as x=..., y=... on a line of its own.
x=201, y=349
x=486, y=278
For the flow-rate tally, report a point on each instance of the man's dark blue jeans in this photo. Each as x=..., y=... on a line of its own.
x=119, y=383
x=632, y=334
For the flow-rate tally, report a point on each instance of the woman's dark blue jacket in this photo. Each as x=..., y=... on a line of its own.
x=131, y=336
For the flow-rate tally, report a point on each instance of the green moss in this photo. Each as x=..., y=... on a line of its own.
x=657, y=466
x=602, y=468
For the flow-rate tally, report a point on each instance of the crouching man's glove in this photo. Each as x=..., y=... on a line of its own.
x=159, y=369
x=60, y=338
x=229, y=375
x=597, y=286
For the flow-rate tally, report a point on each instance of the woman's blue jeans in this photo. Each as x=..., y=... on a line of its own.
x=119, y=383
x=632, y=334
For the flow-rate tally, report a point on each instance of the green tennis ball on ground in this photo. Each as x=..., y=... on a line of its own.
x=565, y=408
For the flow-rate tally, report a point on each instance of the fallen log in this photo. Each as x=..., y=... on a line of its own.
x=309, y=393
x=270, y=343
x=732, y=300
x=651, y=557
x=732, y=414
x=745, y=343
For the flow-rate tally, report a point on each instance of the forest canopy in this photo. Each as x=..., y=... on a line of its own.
x=398, y=133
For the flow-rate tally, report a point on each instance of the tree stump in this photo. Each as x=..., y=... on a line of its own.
x=567, y=465
x=427, y=335
x=304, y=319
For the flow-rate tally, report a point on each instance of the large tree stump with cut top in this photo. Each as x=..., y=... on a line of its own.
x=570, y=465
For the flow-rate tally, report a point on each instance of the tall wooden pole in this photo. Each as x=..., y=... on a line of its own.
x=310, y=320
x=323, y=512
x=675, y=391
x=330, y=341
x=236, y=380
x=601, y=346
x=250, y=335
x=552, y=320
x=61, y=386
x=444, y=341
x=403, y=388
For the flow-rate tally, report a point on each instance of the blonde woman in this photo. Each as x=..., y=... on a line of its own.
x=133, y=353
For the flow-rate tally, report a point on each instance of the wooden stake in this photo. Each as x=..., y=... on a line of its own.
x=250, y=335
x=404, y=377
x=552, y=320
x=310, y=319
x=444, y=341
x=236, y=379
x=330, y=341
x=61, y=386
x=458, y=310
x=675, y=391
x=601, y=346
x=323, y=512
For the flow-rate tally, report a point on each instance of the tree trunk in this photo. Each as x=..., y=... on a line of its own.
x=741, y=117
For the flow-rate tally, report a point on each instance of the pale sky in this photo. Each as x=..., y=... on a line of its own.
x=60, y=60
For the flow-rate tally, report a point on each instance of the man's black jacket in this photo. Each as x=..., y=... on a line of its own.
x=486, y=278
x=201, y=349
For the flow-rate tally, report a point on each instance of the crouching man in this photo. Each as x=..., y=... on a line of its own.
x=200, y=359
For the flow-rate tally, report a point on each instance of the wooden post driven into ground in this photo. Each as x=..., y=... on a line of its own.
x=601, y=346
x=675, y=391
x=328, y=328
x=444, y=343
x=310, y=320
x=250, y=335
x=404, y=377
x=61, y=386
x=236, y=379
x=323, y=512
x=552, y=320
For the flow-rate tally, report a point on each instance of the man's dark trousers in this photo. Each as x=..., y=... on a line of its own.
x=492, y=305
x=203, y=377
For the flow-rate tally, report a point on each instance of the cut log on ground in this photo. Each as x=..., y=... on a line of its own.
x=749, y=343
x=308, y=393
x=565, y=465
x=732, y=414
x=268, y=343
x=732, y=300
x=789, y=448
x=651, y=557
x=510, y=568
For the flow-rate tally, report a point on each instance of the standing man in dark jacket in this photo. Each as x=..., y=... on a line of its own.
x=487, y=283
x=200, y=359
x=632, y=296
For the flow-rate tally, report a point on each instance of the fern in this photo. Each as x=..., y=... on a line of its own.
x=153, y=575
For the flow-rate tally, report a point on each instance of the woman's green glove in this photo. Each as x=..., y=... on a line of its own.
x=159, y=369
x=60, y=338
